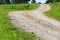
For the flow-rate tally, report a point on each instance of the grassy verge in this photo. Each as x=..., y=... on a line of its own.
x=9, y=31
x=54, y=12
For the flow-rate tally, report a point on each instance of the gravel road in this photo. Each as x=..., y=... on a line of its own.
x=35, y=21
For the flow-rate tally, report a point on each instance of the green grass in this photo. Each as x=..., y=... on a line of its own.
x=7, y=30
x=54, y=12
x=20, y=6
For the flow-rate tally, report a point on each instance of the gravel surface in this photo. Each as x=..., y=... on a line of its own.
x=35, y=21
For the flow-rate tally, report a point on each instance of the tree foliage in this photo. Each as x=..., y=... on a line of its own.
x=13, y=1
x=33, y=1
x=52, y=1
x=39, y=2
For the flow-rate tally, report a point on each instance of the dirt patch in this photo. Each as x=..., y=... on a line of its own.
x=35, y=21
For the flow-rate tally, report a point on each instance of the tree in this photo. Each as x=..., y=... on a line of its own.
x=39, y=2
x=49, y=1
x=1, y=2
x=33, y=1
x=52, y=1
x=13, y=1
x=7, y=1
x=19, y=1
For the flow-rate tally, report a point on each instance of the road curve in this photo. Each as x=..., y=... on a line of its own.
x=35, y=21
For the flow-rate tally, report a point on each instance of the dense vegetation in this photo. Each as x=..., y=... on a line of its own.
x=33, y=1
x=52, y=1
x=13, y=1
x=9, y=31
x=16, y=1
x=20, y=6
x=54, y=12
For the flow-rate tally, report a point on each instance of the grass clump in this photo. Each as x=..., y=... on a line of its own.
x=9, y=31
x=54, y=12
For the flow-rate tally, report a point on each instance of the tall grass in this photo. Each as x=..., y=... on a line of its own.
x=7, y=30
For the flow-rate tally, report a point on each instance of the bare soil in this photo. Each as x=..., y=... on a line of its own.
x=35, y=21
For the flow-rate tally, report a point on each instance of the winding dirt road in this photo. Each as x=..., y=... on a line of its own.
x=35, y=21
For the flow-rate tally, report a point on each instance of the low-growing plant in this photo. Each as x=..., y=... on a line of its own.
x=7, y=30
x=54, y=12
